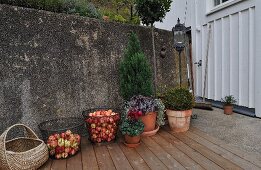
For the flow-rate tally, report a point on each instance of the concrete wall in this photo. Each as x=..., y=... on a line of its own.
x=57, y=65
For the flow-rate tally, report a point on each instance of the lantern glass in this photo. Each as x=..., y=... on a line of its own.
x=179, y=36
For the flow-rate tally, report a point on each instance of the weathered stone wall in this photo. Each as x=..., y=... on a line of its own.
x=56, y=65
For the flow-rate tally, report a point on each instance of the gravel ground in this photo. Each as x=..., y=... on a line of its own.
x=236, y=130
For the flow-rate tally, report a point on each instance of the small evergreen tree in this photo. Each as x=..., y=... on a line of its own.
x=135, y=71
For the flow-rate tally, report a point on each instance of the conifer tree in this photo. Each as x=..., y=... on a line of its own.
x=135, y=71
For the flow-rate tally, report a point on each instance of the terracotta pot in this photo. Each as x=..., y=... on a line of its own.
x=179, y=121
x=149, y=121
x=132, y=139
x=151, y=133
x=228, y=109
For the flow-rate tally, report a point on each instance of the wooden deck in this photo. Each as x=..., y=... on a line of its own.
x=166, y=150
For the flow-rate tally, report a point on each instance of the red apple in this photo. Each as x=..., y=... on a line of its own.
x=62, y=135
x=99, y=140
x=64, y=155
x=57, y=136
x=58, y=156
x=72, y=152
x=93, y=125
x=94, y=136
x=59, y=149
x=51, y=138
x=52, y=152
x=111, y=120
x=77, y=148
x=77, y=137
x=53, y=144
x=109, y=126
x=107, y=132
x=67, y=150
x=98, y=128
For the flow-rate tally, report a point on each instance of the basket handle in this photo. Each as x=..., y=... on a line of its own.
x=30, y=132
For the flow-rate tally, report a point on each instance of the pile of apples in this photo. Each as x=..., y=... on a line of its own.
x=102, y=125
x=63, y=145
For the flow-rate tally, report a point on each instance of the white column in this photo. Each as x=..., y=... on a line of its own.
x=251, y=81
x=257, y=58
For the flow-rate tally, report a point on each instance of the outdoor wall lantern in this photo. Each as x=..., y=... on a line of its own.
x=179, y=32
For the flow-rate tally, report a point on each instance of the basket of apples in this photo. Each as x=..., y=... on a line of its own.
x=63, y=145
x=102, y=124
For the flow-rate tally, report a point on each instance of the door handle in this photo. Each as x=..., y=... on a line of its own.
x=199, y=63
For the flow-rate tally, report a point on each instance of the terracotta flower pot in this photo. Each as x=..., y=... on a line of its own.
x=179, y=121
x=228, y=109
x=149, y=121
x=132, y=141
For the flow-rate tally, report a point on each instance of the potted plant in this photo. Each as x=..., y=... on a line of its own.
x=135, y=71
x=131, y=128
x=228, y=104
x=151, y=110
x=179, y=103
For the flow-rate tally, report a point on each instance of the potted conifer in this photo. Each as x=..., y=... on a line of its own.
x=136, y=85
x=179, y=103
x=135, y=71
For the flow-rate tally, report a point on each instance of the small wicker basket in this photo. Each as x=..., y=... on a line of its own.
x=23, y=153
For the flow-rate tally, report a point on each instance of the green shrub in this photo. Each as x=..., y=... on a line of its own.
x=119, y=18
x=178, y=99
x=80, y=7
x=92, y=11
x=229, y=100
x=135, y=71
x=151, y=11
x=132, y=127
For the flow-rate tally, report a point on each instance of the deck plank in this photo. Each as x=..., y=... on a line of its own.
x=47, y=165
x=222, y=152
x=89, y=160
x=59, y=164
x=164, y=156
x=103, y=157
x=118, y=157
x=134, y=158
x=188, y=157
x=255, y=159
x=74, y=162
x=153, y=162
x=224, y=163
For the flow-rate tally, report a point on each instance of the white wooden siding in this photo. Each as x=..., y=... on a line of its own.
x=231, y=57
x=235, y=48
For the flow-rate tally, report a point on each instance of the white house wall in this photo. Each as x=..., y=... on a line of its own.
x=233, y=57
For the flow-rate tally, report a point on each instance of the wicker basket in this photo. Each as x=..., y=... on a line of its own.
x=50, y=127
x=23, y=153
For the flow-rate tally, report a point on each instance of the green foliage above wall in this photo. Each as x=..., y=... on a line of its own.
x=151, y=11
x=79, y=7
x=117, y=10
